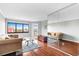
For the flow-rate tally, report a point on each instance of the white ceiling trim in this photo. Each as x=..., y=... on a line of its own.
x=40, y=11
x=62, y=8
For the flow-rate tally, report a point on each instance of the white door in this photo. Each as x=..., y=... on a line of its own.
x=34, y=30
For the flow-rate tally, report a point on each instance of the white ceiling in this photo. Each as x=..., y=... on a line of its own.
x=30, y=11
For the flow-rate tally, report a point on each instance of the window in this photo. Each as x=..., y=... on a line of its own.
x=11, y=27
x=17, y=27
x=25, y=28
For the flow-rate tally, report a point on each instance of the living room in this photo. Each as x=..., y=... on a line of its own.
x=43, y=29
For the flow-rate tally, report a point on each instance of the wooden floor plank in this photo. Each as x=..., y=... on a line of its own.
x=46, y=50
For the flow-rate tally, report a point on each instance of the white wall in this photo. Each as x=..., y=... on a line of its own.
x=70, y=13
x=66, y=14
x=66, y=21
x=69, y=28
x=2, y=24
x=44, y=28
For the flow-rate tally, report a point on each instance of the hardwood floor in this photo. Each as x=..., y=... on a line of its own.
x=69, y=47
x=44, y=50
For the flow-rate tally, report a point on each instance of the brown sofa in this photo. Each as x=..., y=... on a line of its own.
x=13, y=36
x=56, y=35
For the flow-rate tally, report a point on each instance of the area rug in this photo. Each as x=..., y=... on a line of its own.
x=30, y=47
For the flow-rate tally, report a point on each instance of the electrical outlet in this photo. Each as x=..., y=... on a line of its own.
x=62, y=43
